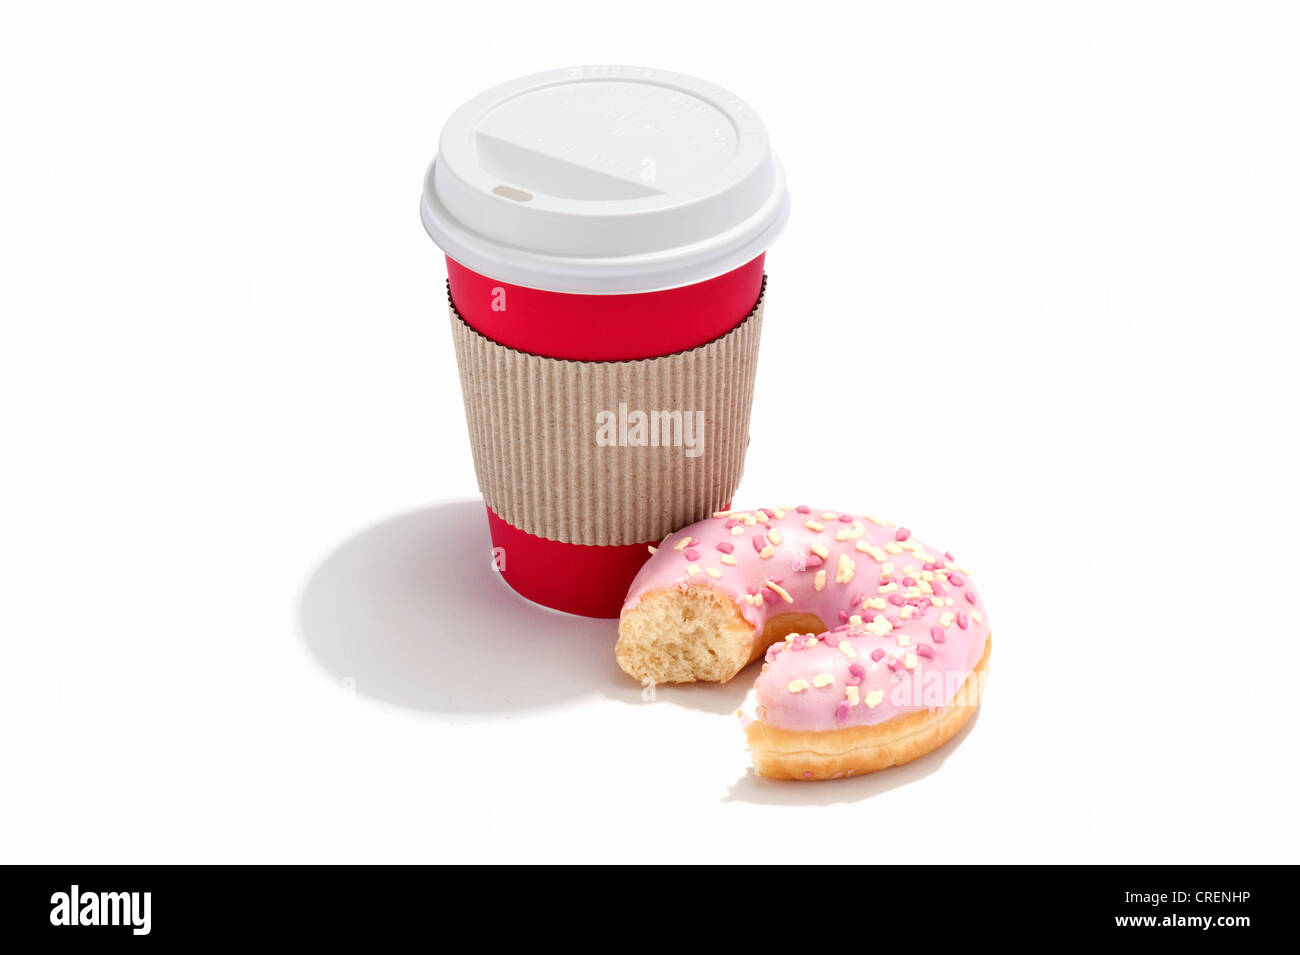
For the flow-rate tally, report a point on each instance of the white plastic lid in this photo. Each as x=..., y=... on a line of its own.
x=604, y=179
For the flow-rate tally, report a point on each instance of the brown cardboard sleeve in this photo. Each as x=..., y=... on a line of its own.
x=534, y=424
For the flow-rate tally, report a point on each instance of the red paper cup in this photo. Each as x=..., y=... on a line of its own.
x=605, y=327
x=604, y=231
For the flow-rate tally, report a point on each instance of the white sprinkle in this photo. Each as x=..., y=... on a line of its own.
x=779, y=591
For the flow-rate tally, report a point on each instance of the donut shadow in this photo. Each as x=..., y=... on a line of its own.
x=717, y=698
x=829, y=792
x=410, y=612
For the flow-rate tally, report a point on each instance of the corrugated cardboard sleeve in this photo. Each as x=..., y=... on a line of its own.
x=533, y=429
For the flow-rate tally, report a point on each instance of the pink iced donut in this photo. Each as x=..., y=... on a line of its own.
x=876, y=646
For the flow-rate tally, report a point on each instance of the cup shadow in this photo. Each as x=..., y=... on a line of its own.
x=783, y=792
x=412, y=613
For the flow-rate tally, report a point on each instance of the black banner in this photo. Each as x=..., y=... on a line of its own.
x=135, y=906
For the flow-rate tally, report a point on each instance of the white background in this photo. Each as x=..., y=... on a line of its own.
x=246, y=608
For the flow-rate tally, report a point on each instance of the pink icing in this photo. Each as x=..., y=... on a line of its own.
x=942, y=641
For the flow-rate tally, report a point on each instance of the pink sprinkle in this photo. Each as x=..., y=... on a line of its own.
x=894, y=665
x=731, y=523
x=844, y=617
x=948, y=554
x=691, y=554
x=759, y=542
x=902, y=534
x=894, y=621
x=842, y=627
x=804, y=509
x=956, y=580
x=970, y=597
x=855, y=599
x=770, y=596
x=726, y=546
x=963, y=621
x=896, y=600
x=777, y=580
x=877, y=654
x=937, y=634
x=813, y=561
x=938, y=588
x=929, y=565
x=858, y=671
x=773, y=650
x=924, y=650
x=846, y=518
x=752, y=591
x=842, y=711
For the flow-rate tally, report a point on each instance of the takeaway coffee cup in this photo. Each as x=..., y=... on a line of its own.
x=604, y=231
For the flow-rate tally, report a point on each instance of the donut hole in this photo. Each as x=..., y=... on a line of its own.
x=783, y=624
